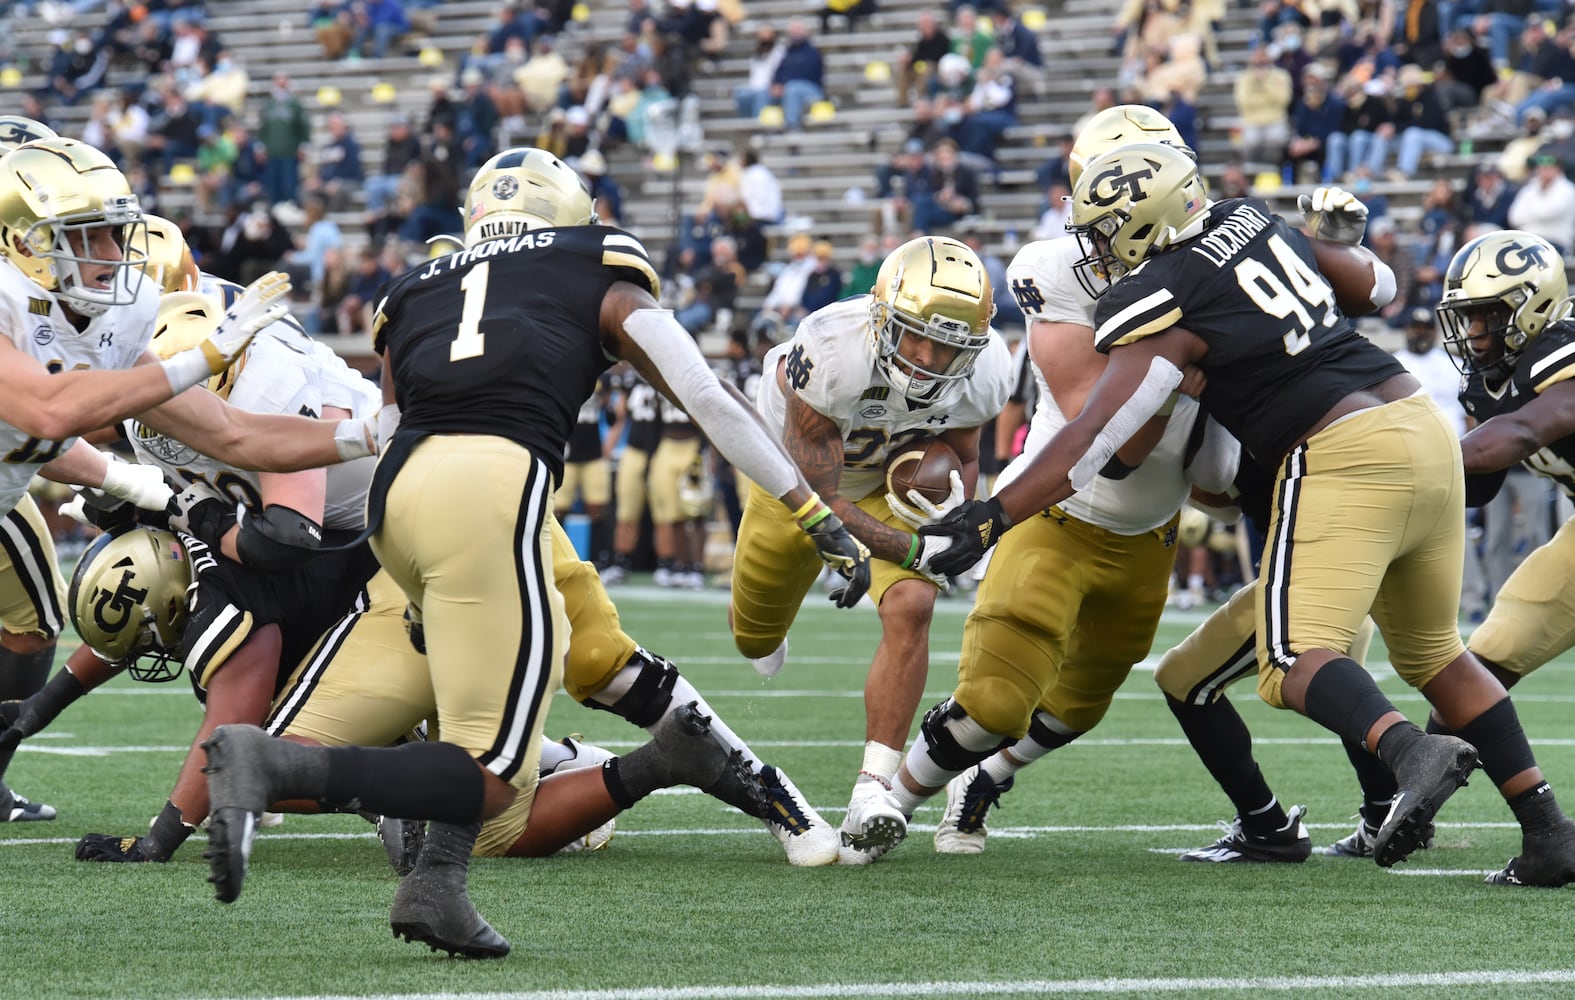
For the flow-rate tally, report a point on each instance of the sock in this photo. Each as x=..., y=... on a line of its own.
x=1220, y=739
x=907, y=800
x=1500, y=742
x=448, y=844
x=40, y=709
x=1343, y=699
x=622, y=560
x=432, y=781
x=1536, y=810
x=636, y=774
x=169, y=831
x=1377, y=783
x=880, y=763
x=1435, y=727
x=23, y=674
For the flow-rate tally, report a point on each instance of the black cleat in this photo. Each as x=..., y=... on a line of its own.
x=1290, y=844
x=1427, y=777
x=1359, y=843
x=696, y=756
x=237, y=795
x=1544, y=861
x=432, y=905
x=402, y=840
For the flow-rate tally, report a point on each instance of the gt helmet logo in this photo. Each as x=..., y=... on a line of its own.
x=1525, y=258
x=122, y=600
x=1118, y=180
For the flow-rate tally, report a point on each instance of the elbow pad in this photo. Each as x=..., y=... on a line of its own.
x=1482, y=487
x=278, y=539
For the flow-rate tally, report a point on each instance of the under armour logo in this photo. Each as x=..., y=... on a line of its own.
x=106, y=339
x=798, y=368
x=1029, y=298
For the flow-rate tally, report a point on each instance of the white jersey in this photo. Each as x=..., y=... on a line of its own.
x=831, y=364
x=1042, y=279
x=36, y=325
x=287, y=372
x=1441, y=380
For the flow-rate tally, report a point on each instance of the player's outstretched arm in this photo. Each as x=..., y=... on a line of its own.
x=84, y=465
x=1510, y=438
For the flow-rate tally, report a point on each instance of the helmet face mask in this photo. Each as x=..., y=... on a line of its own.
x=522, y=189
x=128, y=601
x=1130, y=204
x=1500, y=291
x=930, y=313
x=62, y=202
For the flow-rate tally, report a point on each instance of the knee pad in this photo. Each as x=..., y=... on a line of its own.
x=953, y=740
x=1050, y=732
x=641, y=691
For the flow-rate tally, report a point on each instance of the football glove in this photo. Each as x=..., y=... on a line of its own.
x=108, y=847
x=198, y=513
x=971, y=529
x=927, y=512
x=142, y=485
x=263, y=302
x=845, y=554
x=1334, y=214
x=98, y=509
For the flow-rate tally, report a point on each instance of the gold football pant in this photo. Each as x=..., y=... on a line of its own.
x=631, y=489
x=1368, y=513
x=590, y=481
x=669, y=462
x=1064, y=611
x=468, y=538
x=32, y=594
x=775, y=564
x=1533, y=617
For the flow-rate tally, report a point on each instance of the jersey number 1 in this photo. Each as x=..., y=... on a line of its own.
x=1274, y=296
x=470, y=342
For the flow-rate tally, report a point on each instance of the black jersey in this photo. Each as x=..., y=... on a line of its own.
x=504, y=338
x=1281, y=353
x=643, y=406
x=1546, y=361
x=585, y=440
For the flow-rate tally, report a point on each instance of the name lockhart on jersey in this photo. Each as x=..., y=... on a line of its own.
x=491, y=248
x=1226, y=238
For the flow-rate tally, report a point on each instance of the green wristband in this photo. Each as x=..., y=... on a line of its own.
x=913, y=553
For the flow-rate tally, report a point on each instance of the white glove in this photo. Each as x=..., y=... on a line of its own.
x=263, y=302
x=142, y=485
x=74, y=508
x=931, y=546
x=928, y=512
x=1334, y=214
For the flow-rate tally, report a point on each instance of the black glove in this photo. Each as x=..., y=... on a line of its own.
x=206, y=518
x=845, y=554
x=108, y=847
x=972, y=528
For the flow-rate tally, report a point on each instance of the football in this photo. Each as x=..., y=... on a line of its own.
x=926, y=466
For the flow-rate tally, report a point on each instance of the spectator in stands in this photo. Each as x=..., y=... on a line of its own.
x=1490, y=197
x=799, y=79
x=577, y=135
x=542, y=75
x=1468, y=65
x=128, y=126
x=1363, y=139
x=946, y=190
x=216, y=155
x=514, y=21
x=970, y=39
x=895, y=182
x=1234, y=182
x=1057, y=211
x=328, y=292
x=639, y=18
x=823, y=284
x=1556, y=91
x=715, y=287
x=78, y=66
x=760, y=190
x=783, y=305
x=991, y=108
x=1436, y=238
x=1008, y=314
x=354, y=313
x=252, y=246
x=1181, y=72
x=1420, y=120
x=862, y=278
x=1386, y=246
x=1499, y=21
x=1263, y=103
x=246, y=184
x=98, y=131
x=1545, y=206
x=849, y=12
x=703, y=29
x=1313, y=119
x=339, y=171
x=172, y=134
x=334, y=25
x=916, y=64
x=749, y=98
x=284, y=131
x=1292, y=56
x=437, y=213
x=1016, y=42
x=927, y=126
x=382, y=22
x=605, y=193
x=399, y=149
x=320, y=235
x=1514, y=160
x=220, y=93
x=475, y=121
x=653, y=92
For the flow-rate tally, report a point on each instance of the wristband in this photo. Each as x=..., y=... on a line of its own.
x=350, y=440
x=913, y=553
x=185, y=369
x=815, y=518
x=809, y=505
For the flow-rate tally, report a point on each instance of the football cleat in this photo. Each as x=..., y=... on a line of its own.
x=969, y=798
x=432, y=906
x=402, y=840
x=1360, y=842
x=1544, y=861
x=238, y=793
x=613, y=575
x=771, y=664
x=1290, y=844
x=581, y=754
x=807, y=839
x=875, y=822
x=593, y=841
x=17, y=809
x=1427, y=777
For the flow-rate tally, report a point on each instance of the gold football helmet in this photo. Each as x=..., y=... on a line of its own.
x=128, y=600
x=169, y=260
x=1514, y=283
x=15, y=130
x=1120, y=126
x=1129, y=204
x=185, y=320
x=53, y=194
x=521, y=189
x=930, y=289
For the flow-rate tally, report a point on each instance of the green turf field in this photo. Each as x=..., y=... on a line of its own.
x=1078, y=893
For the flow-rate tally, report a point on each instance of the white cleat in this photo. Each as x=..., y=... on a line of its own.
x=874, y=823
x=969, y=798
x=593, y=841
x=771, y=664
x=807, y=839
x=583, y=755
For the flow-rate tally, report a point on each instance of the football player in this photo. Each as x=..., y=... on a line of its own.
x=638, y=409
x=488, y=353
x=1368, y=498
x=679, y=543
x=862, y=380
x=16, y=130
